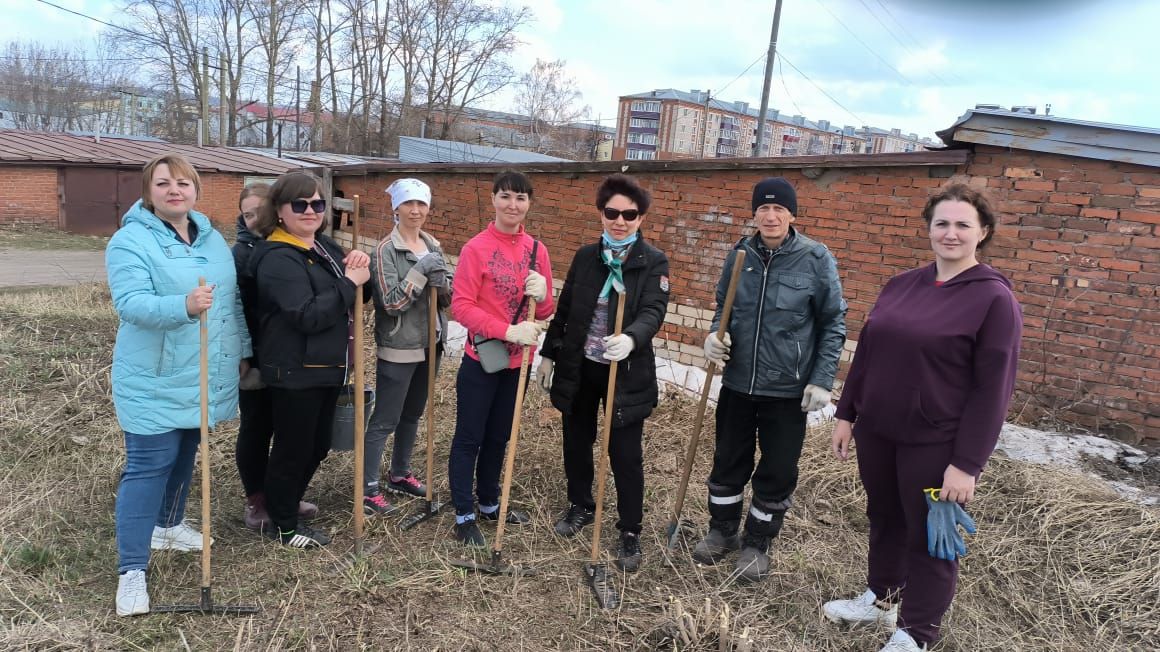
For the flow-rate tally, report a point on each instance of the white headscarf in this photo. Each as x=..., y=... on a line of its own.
x=404, y=190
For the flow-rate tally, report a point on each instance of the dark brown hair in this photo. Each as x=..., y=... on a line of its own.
x=622, y=184
x=964, y=193
x=288, y=187
x=254, y=190
x=178, y=167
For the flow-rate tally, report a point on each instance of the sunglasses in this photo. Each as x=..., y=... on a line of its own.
x=316, y=205
x=629, y=215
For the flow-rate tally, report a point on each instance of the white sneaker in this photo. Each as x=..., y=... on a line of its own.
x=863, y=610
x=180, y=537
x=902, y=642
x=132, y=596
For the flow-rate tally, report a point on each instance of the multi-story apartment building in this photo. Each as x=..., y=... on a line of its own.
x=672, y=124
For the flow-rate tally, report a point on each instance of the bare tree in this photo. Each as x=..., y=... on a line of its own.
x=550, y=99
x=277, y=22
x=465, y=48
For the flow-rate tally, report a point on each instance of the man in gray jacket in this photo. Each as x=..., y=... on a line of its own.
x=780, y=355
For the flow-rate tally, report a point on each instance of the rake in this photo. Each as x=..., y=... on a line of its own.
x=206, y=605
x=430, y=507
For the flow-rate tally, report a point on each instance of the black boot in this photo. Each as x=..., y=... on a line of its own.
x=724, y=521
x=761, y=526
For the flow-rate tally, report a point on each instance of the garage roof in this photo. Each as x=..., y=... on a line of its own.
x=44, y=148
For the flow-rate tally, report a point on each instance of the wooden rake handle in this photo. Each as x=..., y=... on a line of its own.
x=510, y=458
x=203, y=444
x=710, y=369
x=432, y=318
x=609, y=411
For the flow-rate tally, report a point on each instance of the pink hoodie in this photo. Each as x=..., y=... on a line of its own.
x=489, y=283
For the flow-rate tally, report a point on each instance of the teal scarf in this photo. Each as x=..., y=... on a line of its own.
x=613, y=253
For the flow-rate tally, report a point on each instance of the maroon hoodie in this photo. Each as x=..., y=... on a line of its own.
x=937, y=363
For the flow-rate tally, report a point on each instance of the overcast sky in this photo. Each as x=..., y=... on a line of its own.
x=912, y=64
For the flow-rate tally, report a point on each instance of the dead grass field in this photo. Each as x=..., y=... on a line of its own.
x=45, y=238
x=1060, y=562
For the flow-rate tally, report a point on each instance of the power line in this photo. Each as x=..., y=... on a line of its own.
x=781, y=73
x=868, y=48
x=905, y=47
x=722, y=89
x=911, y=37
x=820, y=89
x=900, y=25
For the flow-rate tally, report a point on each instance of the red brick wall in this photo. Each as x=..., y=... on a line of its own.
x=219, y=199
x=29, y=195
x=1079, y=239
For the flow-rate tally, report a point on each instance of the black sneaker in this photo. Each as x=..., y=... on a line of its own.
x=574, y=520
x=514, y=517
x=628, y=554
x=376, y=504
x=468, y=534
x=302, y=536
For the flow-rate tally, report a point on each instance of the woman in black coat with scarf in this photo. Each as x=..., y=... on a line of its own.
x=580, y=345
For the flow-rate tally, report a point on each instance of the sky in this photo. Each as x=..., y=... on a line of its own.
x=916, y=65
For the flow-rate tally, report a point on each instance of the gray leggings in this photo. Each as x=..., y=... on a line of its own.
x=400, y=398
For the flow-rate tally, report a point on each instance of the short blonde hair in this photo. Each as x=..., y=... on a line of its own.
x=178, y=166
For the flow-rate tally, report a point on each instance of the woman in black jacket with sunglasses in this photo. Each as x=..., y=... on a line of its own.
x=580, y=344
x=306, y=288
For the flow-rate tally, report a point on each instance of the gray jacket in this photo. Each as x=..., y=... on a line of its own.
x=789, y=319
x=401, y=305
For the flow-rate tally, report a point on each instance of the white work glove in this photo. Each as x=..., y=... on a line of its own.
x=716, y=350
x=815, y=398
x=544, y=374
x=536, y=286
x=526, y=333
x=617, y=347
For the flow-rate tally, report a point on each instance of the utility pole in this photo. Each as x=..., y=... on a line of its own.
x=768, y=79
x=222, y=99
x=298, y=109
x=203, y=138
x=705, y=124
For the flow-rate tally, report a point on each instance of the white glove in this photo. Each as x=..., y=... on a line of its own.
x=526, y=333
x=536, y=286
x=815, y=398
x=617, y=347
x=716, y=350
x=544, y=374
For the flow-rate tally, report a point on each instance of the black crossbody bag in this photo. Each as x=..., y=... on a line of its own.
x=493, y=352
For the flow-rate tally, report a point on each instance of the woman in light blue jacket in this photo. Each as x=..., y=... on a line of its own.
x=154, y=262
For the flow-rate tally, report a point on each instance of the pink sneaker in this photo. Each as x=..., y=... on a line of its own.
x=307, y=510
x=407, y=484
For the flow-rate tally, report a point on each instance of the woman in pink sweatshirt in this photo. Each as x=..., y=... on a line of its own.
x=499, y=270
x=925, y=398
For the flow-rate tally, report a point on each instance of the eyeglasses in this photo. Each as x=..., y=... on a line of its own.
x=629, y=215
x=316, y=205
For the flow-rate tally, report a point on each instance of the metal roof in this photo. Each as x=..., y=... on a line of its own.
x=1045, y=133
x=45, y=148
x=316, y=159
x=426, y=150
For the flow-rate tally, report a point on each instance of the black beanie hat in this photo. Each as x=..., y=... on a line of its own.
x=775, y=190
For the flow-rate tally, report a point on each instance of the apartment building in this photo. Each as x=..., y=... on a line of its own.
x=667, y=124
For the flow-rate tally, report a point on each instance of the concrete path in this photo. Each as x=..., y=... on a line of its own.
x=24, y=268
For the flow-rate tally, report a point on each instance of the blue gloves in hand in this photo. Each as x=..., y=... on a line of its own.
x=943, y=540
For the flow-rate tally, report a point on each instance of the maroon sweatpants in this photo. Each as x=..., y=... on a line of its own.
x=894, y=476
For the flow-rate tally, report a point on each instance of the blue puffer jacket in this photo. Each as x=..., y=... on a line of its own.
x=156, y=367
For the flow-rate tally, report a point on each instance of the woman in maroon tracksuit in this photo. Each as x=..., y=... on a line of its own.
x=926, y=397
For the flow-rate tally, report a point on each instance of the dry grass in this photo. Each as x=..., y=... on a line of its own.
x=1060, y=563
x=40, y=238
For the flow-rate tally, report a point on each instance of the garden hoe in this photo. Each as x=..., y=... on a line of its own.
x=496, y=565
x=430, y=507
x=597, y=571
x=691, y=452
x=206, y=606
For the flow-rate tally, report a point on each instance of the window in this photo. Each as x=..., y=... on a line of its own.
x=646, y=123
x=648, y=107
x=641, y=155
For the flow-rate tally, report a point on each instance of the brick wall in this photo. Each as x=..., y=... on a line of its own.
x=29, y=195
x=1079, y=239
x=219, y=199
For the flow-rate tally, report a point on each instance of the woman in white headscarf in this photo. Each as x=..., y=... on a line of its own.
x=403, y=266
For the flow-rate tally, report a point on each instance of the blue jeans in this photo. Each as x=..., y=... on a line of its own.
x=154, y=486
x=483, y=425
